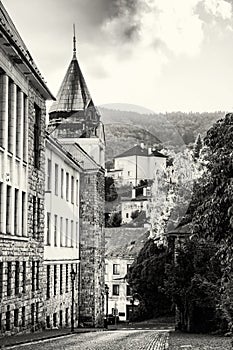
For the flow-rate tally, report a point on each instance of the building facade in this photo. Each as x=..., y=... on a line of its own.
x=61, y=251
x=75, y=122
x=22, y=166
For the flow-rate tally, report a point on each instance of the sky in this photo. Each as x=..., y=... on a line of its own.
x=164, y=55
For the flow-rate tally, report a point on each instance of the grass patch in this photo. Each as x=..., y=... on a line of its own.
x=186, y=341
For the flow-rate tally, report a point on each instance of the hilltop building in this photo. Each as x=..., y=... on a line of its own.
x=23, y=93
x=136, y=164
x=75, y=122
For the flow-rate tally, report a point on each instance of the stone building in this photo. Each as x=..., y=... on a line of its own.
x=23, y=93
x=61, y=252
x=77, y=126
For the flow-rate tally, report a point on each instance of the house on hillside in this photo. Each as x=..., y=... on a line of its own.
x=136, y=164
x=122, y=247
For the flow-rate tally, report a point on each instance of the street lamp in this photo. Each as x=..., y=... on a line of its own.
x=106, y=288
x=72, y=275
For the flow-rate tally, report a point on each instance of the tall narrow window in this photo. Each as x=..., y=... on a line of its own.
x=11, y=102
x=67, y=233
x=55, y=280
x=24, y=272
x=61, y=232
x=61, y=279
x=67, y=278
x=115, y=289
x=9, y=276
x=72, y=233
x=48, y=282
x=23, y=316
x=49, y=168
x=33, y=275
x=116, y=269
x=16, y=212
x=77, y=192
x=77, y=234
x=1, y=279
x=48, y=238
x=34, y=222
x=67, y=186
x=72, y=190
x=37, y=312
x=32, y=314
x=18, y=121
x=56, y=179
x=25, y=102
x=16, y=277
x=2, y=98
x=62, y=183
x=8, y=209
x=37, y=130
x=23, y=213
x=16, y=317
x=38, y=274
x=8, y=320
x=55, y=230
x=38, y=215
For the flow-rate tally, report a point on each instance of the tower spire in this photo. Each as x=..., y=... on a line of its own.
x=74, y=42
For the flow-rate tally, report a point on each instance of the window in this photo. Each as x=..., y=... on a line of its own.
x=16, y=317
x=67, y=186
x=55, y=319
x=48, y=282
x=8, y=320
x=116, y=269
x=8, y=209
x=23, y=316
x=67, y=316
x=55, y=230
x=33, y=275
x=38, y=275
x=61, y=279
x=72, y=233
x=16, y=277
x=77, y=192
x=25, y=101
x=128, y=290
x=37, y=122
x=49, y=165
x=18, y=121
x=127, y=215
x=128, y=268
x=115, y=289
x=38, y=214
x=37, y=311
x=67, y=278
x=9, y=273
x=32, y=314
x=62, y=183
x=77, y=234
x=48, y=238
x=24, y=277
x=1, y=280
x=56, y=180
x=72, y=190
x=128, y=173
x=23, y=213
x=55, y=280
x=16, y=212
x=60, y=320
x=67, y=232
x=61, y=231
x=11, y=102
x=34, y=222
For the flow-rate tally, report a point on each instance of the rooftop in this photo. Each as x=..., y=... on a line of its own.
x=138, y=150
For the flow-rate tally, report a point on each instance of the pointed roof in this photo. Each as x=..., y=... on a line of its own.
x=73, y=94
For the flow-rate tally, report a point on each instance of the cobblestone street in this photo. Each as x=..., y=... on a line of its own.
x=117, y=340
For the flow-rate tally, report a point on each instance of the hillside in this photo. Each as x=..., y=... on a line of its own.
x=123, y=128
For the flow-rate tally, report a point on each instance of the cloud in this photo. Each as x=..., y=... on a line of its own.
x=219, y=8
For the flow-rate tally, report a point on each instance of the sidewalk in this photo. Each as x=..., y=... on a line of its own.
x=42, y=335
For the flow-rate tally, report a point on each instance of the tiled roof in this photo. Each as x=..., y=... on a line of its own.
x=125, y=242
x=139, y=151
x=73, y=94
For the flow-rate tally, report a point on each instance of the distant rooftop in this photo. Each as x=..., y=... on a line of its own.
x=138, y=150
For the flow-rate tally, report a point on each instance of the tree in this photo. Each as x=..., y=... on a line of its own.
x=197, y=147
x=110, y=190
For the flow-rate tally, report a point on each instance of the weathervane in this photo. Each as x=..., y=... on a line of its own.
x=74, y=42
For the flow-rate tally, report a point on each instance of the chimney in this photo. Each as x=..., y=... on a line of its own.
x=149, y=151
x=142, y=145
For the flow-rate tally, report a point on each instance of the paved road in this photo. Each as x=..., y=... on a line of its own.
x=105, y=340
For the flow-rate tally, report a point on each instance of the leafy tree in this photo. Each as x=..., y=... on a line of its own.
x=134, y=214
x=146, y=277
x=110, y=190
x=197, y=147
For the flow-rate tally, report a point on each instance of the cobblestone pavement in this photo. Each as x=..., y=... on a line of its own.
x=109, y=340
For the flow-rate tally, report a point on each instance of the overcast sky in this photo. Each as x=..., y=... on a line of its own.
x=165, y=55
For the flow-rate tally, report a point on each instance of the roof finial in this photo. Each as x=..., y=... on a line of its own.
x=74, y=43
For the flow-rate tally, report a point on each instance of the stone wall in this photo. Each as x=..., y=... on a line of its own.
x=92, y=248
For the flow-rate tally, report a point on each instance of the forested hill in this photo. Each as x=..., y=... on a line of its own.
x=123, y=128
